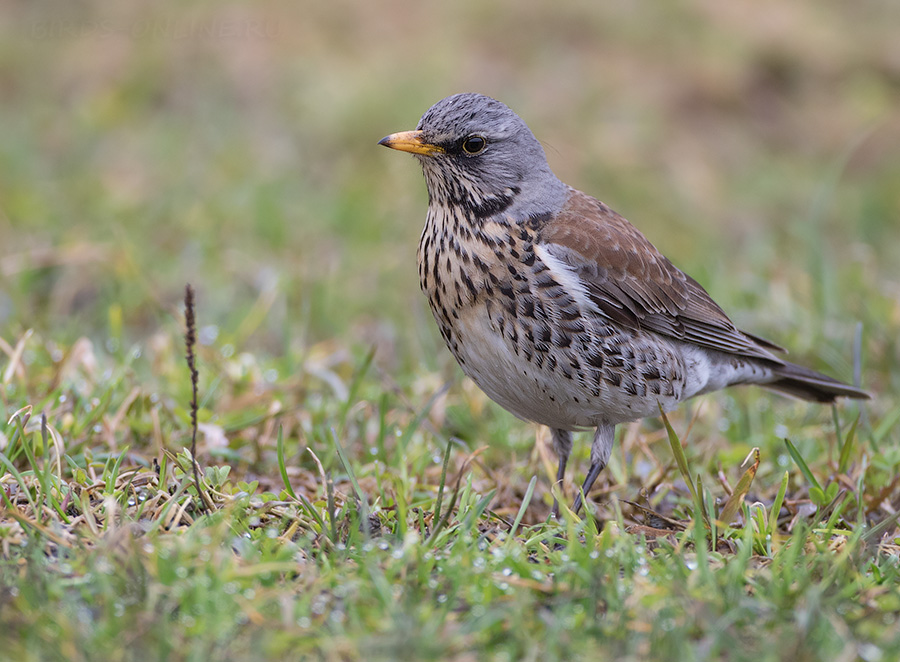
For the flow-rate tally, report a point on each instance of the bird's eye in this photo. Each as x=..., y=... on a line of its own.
x=474, y=145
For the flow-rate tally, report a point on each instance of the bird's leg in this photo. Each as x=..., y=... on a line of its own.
x=601, y=448
x=562, y=444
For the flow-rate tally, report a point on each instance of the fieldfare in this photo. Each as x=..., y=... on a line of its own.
x=557, y=307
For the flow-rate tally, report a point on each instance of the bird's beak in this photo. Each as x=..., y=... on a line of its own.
x=410, y=141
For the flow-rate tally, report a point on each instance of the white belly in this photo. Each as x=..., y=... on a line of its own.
x=547, y=396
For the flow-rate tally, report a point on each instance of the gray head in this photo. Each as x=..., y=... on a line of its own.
x=478, y=155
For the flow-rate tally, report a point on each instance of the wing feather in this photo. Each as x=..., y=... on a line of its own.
x=633, y=284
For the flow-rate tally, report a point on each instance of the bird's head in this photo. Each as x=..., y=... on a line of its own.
x=480, y=158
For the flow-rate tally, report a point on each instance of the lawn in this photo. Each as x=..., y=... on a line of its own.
x=359, y=498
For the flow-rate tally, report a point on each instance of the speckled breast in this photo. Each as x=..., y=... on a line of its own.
x=528, y=340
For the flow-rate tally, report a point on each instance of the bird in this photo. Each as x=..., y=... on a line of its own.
x=558, y=308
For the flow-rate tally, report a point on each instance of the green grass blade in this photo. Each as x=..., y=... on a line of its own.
x=699, y=528
x=19, y=479
x=801, y=463
x=312, y=512
x=111, y=475
x=282, y=468
x=678, y=452
x=478, y=510
x=346, y=463
x=360, y=495
x=440, y=494
x=701, y=513
x=332, y=514
x=382, y=427
x=529, y=492
x=442, y=521
x=847, y=446
x=776, y=506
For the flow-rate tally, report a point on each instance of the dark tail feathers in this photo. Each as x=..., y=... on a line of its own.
x=811, y=385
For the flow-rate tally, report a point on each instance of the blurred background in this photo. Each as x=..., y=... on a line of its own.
x=232, y=145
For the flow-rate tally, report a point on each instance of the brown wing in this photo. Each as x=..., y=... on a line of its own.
x=635, y=285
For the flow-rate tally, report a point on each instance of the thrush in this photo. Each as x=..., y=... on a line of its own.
x=558, y=308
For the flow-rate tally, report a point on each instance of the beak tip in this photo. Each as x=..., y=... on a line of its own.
x=412, y=142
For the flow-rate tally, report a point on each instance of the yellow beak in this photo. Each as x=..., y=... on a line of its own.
x=410, y=141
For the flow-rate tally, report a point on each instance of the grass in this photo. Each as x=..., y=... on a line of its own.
x=108, y=556
x=363, y=501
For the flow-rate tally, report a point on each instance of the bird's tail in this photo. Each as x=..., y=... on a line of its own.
x=807, y=384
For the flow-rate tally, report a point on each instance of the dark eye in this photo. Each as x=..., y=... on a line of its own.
x=474, y=145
